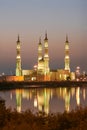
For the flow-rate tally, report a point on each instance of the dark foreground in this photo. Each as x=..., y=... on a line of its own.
x=35, y=84
x=75, y=120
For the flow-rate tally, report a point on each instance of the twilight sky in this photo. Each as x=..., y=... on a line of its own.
x=30, y=19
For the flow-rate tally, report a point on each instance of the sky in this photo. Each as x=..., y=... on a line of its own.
x=30, y=19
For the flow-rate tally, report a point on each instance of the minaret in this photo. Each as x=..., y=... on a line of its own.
x=18, y=59
x=39, y=50
x=40, y=58
x=67, y=58
x=46, y=55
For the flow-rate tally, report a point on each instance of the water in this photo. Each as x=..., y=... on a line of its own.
x=48, y=100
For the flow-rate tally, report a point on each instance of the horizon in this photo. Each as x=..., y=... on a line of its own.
x=30, y=19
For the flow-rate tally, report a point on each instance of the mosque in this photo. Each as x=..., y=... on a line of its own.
x=42, y=71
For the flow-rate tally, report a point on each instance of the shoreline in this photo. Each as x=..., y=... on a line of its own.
x=40, y=84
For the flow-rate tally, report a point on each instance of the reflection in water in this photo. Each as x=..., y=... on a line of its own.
x=43, y=100
x=48, y=100
x=18, y=99
x=84, y=95
x=78, y=95
x=42, y=97
x=67, y=100
x=11, y=95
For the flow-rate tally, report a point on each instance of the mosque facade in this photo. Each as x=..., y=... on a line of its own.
x=42, y=71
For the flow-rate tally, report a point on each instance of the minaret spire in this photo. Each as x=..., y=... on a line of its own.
x=46, y=55
x=18, y=38
x=40, y=57
x=46, y=35
x=40, y=40
x=67, y=57
x=18, y=59
x=66, y=38
x=39, y=50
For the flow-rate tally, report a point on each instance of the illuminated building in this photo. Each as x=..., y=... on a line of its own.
x=14, y=78
x=42, y=71
x=80, y=76
x=78, y=71
x=46, y=55
x=72, y=75
x=43, y=61
x=18, y=59
x=63, y=74
x=67, y=58
x=40, y=59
